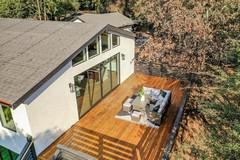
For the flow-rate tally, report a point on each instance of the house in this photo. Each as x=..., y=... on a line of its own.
x=115, y=19
x=53, y=73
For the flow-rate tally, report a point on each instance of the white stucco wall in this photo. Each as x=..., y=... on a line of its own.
x=52, y=109
x=128, y=49
x=15, y=141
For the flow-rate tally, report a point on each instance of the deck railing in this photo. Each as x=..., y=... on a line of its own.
x=28, y=152
x=176, y=125
x=164, y=70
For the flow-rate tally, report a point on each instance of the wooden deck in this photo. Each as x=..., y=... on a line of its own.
x=101, y=135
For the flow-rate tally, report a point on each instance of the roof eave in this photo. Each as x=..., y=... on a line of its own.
x=120, y=31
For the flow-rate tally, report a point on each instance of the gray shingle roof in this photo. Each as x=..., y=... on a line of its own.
x=115, y=19
x=31, y=50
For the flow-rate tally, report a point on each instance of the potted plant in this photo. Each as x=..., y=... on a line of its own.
x=141, y=94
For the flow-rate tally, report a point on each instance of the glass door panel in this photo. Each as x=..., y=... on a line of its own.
x=82, y=93
x=94, y=84
x=115, y=70
x=106, y=77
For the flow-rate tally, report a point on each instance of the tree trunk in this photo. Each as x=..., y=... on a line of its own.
x=39, y=10
x=44, y=10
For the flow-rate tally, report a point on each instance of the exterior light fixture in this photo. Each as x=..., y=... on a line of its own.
x=132, y=60
x=123, y=56
x=71, y=87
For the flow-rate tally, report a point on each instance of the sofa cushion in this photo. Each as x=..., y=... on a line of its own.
x=155, y=108
x=163, y=93
x=151, y=92
x=157, y=104
x=164, y=102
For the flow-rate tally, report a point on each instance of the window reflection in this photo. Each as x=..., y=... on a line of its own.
x=94, y=83
x=115, y=70
x=105, y=40
x=6, y=117
x=82, y=92
x=81, y=57
x=115, y=40
x=106, y=77
x=93, y=49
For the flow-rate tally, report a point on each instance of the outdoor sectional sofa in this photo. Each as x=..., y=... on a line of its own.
x=161, y=99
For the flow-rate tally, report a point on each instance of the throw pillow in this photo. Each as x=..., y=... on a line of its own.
x=163, y=93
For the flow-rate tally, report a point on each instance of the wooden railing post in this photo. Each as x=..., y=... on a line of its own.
x=137, y=154
x=176, y=125
x=100, y=147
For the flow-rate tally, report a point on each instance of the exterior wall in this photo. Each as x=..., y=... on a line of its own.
x=15, y=141
x=52, y=109
x=128, y=50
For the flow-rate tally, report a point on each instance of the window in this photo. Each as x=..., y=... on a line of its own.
x=105, y=38
x=93, y=49
x=6, y=117
x=115, y=40
x=6, y=154
x=81, y=57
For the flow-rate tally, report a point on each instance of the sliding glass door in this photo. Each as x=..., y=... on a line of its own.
x=92, y=85
x=106, y=77
x=95, y=84
x=115, y=70
x=82, y=93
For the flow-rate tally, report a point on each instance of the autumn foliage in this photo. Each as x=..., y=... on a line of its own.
x=189, y=33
